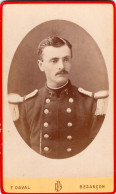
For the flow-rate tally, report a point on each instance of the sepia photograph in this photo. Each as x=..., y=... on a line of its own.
x=62, y=68
x=58, y=97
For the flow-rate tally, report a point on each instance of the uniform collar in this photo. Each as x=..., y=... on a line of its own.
x=64, y=90
x=55, y=89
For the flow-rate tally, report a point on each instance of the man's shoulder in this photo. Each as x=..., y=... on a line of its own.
x=32, y=96
x=81, y=91
x=87, y=93
x=18, y=104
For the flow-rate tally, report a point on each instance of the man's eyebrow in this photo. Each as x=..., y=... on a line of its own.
x=54, y=58
x=68, y=56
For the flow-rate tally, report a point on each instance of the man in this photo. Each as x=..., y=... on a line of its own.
x=59, y=120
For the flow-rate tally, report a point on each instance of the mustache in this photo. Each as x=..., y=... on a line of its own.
x=62, y=72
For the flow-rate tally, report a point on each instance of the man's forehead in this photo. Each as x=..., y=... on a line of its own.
x=53, y=52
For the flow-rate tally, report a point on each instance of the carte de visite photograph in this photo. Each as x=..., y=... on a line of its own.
x=57, y=90
x=58, y=97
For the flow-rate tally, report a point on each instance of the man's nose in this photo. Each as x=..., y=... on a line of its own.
x=61, y=64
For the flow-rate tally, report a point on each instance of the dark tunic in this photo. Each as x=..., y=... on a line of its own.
x=58, y=123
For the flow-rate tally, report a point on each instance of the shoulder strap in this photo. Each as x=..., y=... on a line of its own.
x=30, y=95
x=97, y=95
x=16, y=98
x=102, y=100
x=101, y=94
x=88, y=93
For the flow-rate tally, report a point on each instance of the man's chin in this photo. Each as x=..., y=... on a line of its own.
x=61, y=80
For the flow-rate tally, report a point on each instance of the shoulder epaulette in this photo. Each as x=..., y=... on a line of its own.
x=30, y=95
x=102, y=102
x=88, y=93
x=101, y=94
x=16, y=98
x=14, y=111
x=97, y=95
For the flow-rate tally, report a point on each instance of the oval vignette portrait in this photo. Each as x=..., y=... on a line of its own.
x=58, y=89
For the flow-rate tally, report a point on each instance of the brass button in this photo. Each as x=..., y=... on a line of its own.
x=71, y=100
x=69, y=124
x=46, y=111
x=68, y=110
x=46, y=149
x=45, y=124
x=47, y=100
x=69, y=149
x=69, y=137
x=46, y=136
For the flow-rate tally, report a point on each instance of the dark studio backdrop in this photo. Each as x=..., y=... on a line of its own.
x=88, y=66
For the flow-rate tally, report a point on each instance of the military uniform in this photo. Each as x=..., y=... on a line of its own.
x=60, y=123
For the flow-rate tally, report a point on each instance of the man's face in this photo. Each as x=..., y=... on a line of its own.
x=56, y=65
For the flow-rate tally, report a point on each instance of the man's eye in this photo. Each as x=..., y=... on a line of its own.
x=66, y=59
x=54, y=60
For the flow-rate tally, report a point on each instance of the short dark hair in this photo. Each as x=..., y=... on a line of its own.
x=52, y=41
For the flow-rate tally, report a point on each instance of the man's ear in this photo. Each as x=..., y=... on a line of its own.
x=41, y=65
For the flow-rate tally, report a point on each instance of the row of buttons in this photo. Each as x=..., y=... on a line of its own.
x=68, y=124
x=46, y=111
x=47, y=149
x=70, y=100
x=46, y=136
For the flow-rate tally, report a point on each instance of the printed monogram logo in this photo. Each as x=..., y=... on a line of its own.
x=58, y=186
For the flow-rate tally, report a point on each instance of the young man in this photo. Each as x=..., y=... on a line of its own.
x=59, y=120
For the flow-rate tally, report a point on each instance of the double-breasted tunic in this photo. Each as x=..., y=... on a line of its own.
x=59, y=124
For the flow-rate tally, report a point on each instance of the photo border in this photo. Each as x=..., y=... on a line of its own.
x=1, y=78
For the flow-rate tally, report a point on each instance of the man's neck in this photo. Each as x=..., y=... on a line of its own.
x=56, y=88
